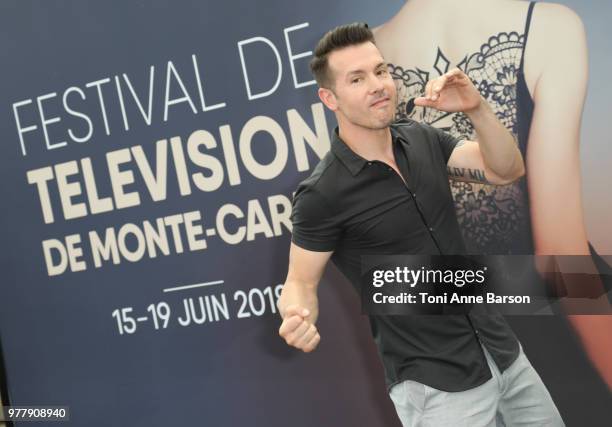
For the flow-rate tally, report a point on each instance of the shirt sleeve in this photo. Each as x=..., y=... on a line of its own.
x=446, y=141
x=314, y=225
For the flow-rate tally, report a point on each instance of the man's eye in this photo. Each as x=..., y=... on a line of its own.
x=381, y=72
x=358, y=79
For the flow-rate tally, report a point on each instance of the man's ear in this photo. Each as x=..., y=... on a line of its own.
x=328, y=98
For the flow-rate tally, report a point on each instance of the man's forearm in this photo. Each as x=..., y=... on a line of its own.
x=497, y=145
x=302, y=294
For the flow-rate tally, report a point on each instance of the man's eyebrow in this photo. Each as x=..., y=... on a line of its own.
x=350, y=73
x=353, y=72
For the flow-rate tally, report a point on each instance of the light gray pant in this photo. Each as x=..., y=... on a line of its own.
x=515, y=398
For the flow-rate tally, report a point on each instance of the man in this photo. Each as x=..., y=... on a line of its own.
x=383, y=189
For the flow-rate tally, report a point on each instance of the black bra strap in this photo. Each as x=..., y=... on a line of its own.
x=526, y=32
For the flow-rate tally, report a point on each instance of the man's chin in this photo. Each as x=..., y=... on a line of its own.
x=384, y=123
x=376, y=123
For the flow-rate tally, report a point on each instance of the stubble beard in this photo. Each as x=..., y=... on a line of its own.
x=377, y=124
x=370, y=121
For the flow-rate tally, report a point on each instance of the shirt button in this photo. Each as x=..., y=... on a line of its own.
x=431, y=229
x=414, y=195
x=369, y=163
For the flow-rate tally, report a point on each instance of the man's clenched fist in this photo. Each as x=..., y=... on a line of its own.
x=297, y=331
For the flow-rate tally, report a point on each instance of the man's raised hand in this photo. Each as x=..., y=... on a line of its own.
x=451, y=92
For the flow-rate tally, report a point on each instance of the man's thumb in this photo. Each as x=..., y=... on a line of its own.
x=296, y=309
x=421, y=101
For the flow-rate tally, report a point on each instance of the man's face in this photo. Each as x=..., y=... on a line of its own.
x=364, y=92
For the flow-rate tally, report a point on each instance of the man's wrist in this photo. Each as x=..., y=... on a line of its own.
x=481, y=110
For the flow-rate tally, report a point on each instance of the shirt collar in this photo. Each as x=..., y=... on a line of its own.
x=353, y=161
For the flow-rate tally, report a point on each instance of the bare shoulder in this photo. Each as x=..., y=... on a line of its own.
x=557, y=13
x=386, y=29
x=553, y=21
x=379, y=32
x=556, y=35
x=385, y=36
x=407, y=17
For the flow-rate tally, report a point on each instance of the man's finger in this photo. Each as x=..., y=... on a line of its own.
x=427, y=93
x=289, y=325
x=453, y=76
x=312, y=344
x=293, y=338
x=306, y=337
x=437, y=86
x=454, y=72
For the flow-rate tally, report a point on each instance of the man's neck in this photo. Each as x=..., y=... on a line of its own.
x=371, y=144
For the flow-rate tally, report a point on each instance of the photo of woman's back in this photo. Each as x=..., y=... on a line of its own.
x=493, y=219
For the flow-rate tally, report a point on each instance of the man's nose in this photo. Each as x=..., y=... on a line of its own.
x=375, y=84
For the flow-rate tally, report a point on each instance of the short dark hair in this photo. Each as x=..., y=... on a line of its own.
x=338, y=38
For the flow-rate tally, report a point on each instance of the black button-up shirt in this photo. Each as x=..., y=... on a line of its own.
x=357, y=207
